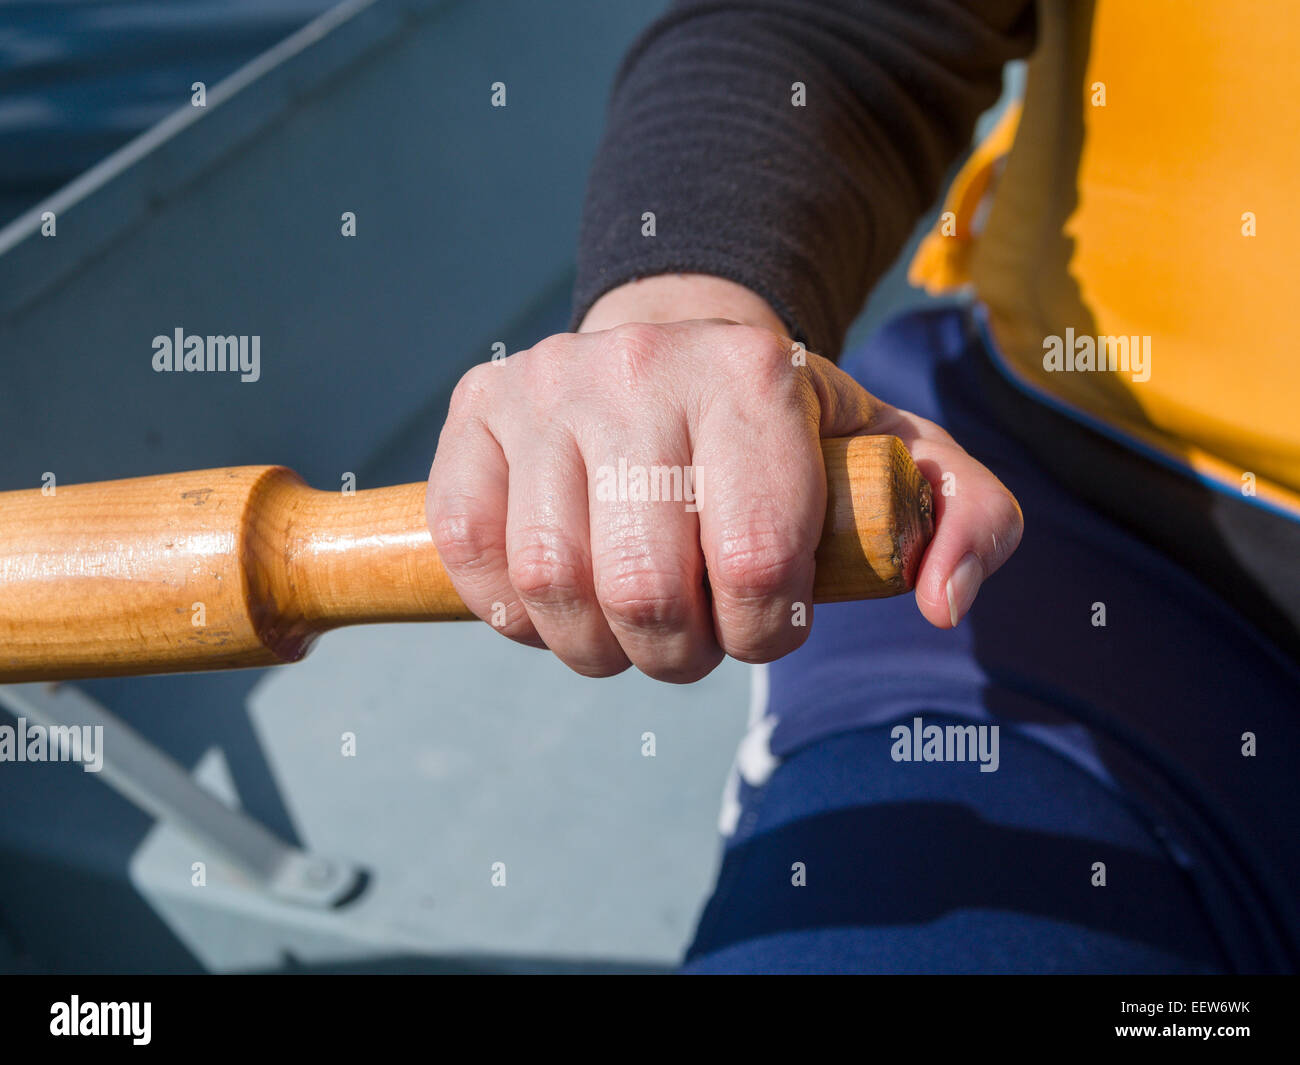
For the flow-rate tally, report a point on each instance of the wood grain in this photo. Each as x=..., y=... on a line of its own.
x=245, y=566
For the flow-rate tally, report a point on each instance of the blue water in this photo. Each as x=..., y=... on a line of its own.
x=79, y=78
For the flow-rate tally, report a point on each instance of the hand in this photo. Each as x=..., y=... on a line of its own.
x=543, y=539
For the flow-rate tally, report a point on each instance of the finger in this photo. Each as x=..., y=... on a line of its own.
x=978, y=523
x=466, y=510
x=649, y=572
x=844, y=407
x=763, y=504
x=549, y=550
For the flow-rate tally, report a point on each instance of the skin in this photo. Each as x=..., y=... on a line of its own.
x=676, y=370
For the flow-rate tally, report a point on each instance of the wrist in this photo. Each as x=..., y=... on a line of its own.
x=679, y=298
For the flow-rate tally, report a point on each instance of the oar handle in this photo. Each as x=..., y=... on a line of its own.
x=245, y=566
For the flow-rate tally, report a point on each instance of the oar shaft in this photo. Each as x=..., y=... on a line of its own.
x=245, y=566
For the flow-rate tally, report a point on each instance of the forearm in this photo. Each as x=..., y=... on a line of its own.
x=802, y=203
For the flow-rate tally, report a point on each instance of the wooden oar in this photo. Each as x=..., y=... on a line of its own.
x=229, y=568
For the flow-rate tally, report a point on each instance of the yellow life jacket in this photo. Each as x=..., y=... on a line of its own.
x=1144, y=205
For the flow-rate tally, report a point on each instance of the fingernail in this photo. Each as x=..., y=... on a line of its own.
x=962, y=586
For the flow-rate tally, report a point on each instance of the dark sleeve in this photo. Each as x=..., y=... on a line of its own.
x=806, y=206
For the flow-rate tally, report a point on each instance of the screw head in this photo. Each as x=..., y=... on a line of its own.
x=319, y=871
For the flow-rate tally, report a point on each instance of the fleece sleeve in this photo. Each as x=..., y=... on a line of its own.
x=788, y=145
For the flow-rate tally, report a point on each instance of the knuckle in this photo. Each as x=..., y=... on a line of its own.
x=462, y=539
x=548, y=371
x=756, y=568
x=554, y=345
x=548, y=577
x=547, y=351
x=637, y=336
x=764, y=358
x=470, y=391
x=646, y=599
x=636, y=351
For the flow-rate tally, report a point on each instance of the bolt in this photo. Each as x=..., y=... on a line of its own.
x=318, y=871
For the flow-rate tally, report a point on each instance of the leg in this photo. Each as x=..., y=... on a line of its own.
x=1122, y=743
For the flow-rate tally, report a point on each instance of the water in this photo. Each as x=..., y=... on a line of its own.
x=79, y=78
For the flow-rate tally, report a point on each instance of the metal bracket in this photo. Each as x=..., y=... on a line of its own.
x=160, y=786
